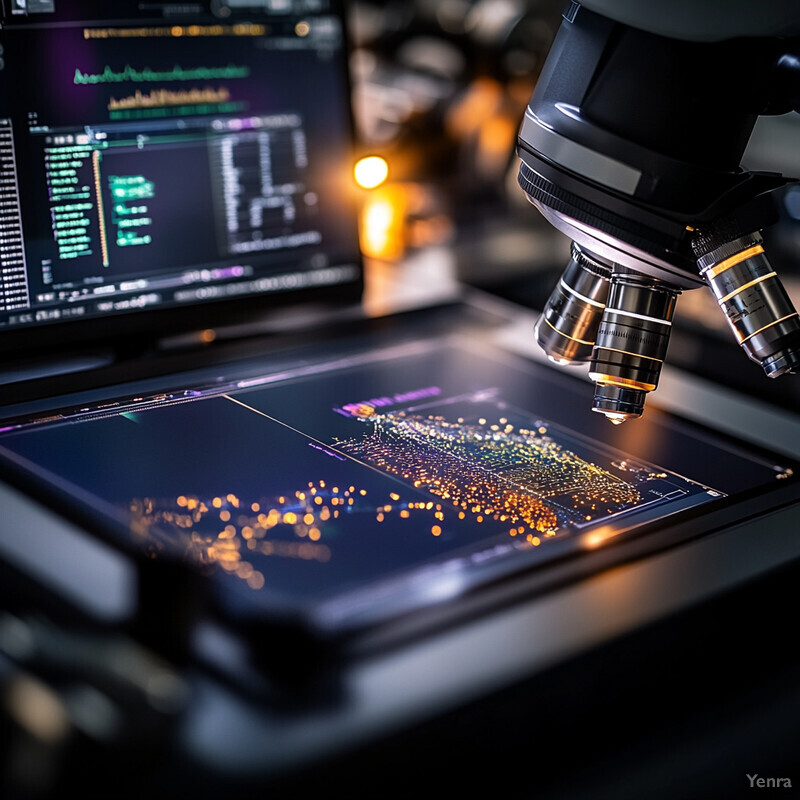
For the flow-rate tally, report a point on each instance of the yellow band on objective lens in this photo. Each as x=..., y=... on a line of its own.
x=629, y=353
x=613, y=380
x=746, y=286
x=734, y=260
x=567, y=336
x=774, y=322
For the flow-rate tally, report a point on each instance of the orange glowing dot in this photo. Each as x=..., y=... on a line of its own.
x=244, y=570
x=217, y=502
x=290, y=518
x=255, y=581
x=436, y=530
x=405, y=514
x=176, y=30
x=308, y=519
x=314, y=534
x=371, y=171
x=224, y=515
x=394, y=495
x=255, y=507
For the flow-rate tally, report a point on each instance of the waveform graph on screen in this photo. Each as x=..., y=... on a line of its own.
x=129, y=74
x=135, y=93
x=172, y=102
x=160, y=103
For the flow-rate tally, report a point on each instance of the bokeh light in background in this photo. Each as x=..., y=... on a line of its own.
x=371, y=171
x=439, y=89
x=382, y=223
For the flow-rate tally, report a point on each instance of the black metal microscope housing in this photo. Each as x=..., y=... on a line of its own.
x=631, y=145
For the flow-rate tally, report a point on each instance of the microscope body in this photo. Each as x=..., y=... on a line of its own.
x=631, y=145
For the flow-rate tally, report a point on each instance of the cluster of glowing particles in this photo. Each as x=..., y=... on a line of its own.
x=229, y=533
x=492, y=470
x=481, y=472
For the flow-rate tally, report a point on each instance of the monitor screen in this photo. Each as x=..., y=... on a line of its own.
x=158, y=156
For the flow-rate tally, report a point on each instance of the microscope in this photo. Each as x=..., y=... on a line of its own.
x=631, y=146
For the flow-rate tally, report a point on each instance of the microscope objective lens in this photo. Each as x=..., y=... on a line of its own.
x=631, y=344
x=567, y=328
x=758, y=309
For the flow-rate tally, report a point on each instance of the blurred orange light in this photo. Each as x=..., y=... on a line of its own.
x=371, y=171
x=599, y=537
x=383, y=223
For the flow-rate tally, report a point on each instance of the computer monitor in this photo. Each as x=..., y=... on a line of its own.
x=168, y=166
